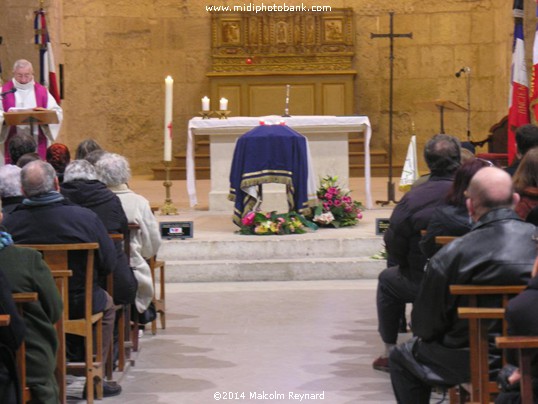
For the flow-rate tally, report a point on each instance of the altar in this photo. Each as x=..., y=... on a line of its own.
x=327, y=138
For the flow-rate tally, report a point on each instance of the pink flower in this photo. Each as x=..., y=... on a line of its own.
x=328, y=196
x=332, y=190
x=346, y=199
x=359, y=215
x=248, y=219
x=337, y=202
x=348, y=208
x=281, y=220
x=326, y=206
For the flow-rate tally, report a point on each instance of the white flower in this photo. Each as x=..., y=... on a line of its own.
x=324, y=218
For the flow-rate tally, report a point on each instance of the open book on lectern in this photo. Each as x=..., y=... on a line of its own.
x=25, y=116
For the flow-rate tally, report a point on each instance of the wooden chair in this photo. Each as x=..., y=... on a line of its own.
x=479, y=320
x=5, y=319
x=56, y=257
x=120, y=316
x=159, y=302
x=133, y=227
x=20, y=299
x=526, y=347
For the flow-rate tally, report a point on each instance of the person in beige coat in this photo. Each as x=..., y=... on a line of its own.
x=114, y=171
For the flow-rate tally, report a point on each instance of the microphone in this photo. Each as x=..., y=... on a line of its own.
x=8, y=92
x=464, y=69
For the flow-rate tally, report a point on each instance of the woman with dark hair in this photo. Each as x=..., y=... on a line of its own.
x=453, y=218
x=526, y=183
x=59, y=157
x=86, y=147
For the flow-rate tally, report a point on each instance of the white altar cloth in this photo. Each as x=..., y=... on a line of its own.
x=302, y=124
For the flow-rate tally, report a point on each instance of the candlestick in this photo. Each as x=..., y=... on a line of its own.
x=287, y=107
x=169, y=83
x=168, y=208
x=205, y=103
x=223, y=104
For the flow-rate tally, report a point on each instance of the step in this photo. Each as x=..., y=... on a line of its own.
x=376, y=157
x=272, y=247
x=273, y=270
x=179, y=173
x=376, y=170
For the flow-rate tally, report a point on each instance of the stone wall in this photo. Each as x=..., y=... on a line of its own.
x=116, y=55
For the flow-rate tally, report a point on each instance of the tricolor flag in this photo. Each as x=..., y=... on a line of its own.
x=47, y=67
x=410, y=169
x=518, y=111
x=534, y=83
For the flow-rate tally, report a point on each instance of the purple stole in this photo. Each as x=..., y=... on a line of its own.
x=41, y=95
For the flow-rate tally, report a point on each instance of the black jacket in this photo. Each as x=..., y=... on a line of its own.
x=499, y=250
x=60, y=223
x=94, y=195
x=410, y=216
x=446, y=221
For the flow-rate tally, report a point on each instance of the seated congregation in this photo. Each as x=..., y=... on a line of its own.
x=489, y=216
x=108, y=234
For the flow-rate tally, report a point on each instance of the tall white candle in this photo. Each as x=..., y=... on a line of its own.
x=223, y=104
x=169, y=84
x=205, y=104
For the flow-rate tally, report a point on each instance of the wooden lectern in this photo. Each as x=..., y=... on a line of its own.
x=441, y=106
x=31, y=117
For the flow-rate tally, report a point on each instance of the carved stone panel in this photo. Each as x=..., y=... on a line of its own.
x=282, y=41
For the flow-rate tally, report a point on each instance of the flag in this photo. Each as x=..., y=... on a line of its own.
x=47, y=67
x=518, y=110
x=534, y=82
x=410, y=169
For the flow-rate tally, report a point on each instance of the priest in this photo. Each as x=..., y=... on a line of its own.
x=22, y=92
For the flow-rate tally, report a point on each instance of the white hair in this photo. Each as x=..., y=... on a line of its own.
x=113, y=169
x=79, y=170
x=21, y=63
x=10, y=181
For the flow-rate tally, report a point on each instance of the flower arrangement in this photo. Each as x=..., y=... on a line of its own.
x=336, y=208
x=268, y=223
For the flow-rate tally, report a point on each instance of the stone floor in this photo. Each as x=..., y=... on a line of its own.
x=272, y=338
x=258, y=341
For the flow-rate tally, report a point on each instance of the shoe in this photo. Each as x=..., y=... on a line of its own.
x=381, y=363
x=110, y=389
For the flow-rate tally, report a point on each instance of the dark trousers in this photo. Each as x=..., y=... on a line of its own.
x=416, y=366
x=394, y=290
x=408, y=389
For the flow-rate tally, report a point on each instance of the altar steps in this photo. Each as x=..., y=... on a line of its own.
x=217, y=254
x=378, y=158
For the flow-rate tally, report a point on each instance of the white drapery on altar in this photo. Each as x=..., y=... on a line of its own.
x=302, y=124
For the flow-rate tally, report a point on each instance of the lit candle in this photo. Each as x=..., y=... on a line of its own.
x=169, y=83
x=223, y=104
x=205, y=104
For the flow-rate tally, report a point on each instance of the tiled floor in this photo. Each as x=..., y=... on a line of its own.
x=275, y=338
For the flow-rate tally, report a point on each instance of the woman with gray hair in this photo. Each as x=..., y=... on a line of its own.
x=10, y=187
x=81, y=186
x=114, y=171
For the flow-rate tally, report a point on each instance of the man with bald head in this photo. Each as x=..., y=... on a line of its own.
x=499, y=250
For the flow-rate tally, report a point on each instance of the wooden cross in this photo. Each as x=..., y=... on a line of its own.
x=391, y=35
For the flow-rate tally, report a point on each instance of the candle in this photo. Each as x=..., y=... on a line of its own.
x=205, y=104
x=223, y=104
x=169, y=83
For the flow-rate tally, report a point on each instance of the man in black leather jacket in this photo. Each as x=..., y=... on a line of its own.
x=499, y=250
x=399, y=283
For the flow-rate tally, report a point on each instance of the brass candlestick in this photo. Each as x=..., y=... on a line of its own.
x=206, y=114
x=223, y=114
x=168, y=208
